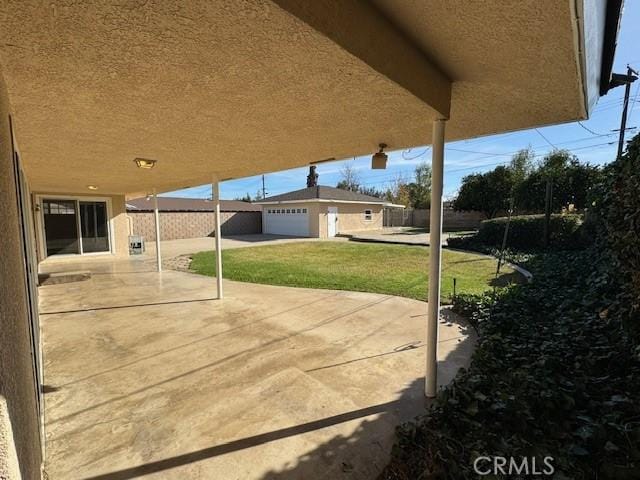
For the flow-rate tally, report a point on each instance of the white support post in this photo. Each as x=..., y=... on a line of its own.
x=215, y=193
x=435, y=252
x=156, y=215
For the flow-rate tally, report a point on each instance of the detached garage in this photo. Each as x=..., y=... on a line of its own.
x=321, y=212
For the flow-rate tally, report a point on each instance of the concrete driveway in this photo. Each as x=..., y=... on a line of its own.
x=399, y=235
x=174, y=248
x=147, y=375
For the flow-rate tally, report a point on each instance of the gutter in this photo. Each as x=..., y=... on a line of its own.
x=610, y=42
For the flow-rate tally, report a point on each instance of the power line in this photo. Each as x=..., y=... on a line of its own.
x=545, y=138
x=591, y=131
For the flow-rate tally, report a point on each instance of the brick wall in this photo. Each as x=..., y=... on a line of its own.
x=451, y=219
x=176, y=225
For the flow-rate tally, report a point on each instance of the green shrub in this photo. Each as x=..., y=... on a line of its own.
x=553, y=374
x=526, y=232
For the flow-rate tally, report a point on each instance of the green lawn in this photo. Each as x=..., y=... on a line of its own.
x=392, y=269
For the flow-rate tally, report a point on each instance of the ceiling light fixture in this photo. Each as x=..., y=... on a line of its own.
x=379, y=159
x=92, y=187
x=145, y=163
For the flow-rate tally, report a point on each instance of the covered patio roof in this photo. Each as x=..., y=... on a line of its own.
x=242, y=87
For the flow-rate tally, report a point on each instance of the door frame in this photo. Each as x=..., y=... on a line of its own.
x=332, y=210
x=41, y=233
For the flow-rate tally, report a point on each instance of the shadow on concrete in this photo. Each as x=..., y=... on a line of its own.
x=190, y=344
x=220, y=361
x=364, y=453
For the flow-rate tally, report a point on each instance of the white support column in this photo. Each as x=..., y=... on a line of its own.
x=215, y=193
x=435, y=253
x=156, y=215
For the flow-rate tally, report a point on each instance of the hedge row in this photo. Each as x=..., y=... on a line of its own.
x=526, y=232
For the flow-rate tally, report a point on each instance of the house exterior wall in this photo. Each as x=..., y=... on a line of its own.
x=20, y=452
x=118, y=221
x=350, y=217
x=177, y=225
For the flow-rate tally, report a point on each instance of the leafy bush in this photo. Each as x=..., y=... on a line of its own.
x=557, y=367
x=615, y=214
x=553, y=375
x=526, y=232
x=473, y=307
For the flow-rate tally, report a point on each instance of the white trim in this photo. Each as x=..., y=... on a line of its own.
x=322, y=200
x=370, y=214
x=577, y=30
x=40, y=231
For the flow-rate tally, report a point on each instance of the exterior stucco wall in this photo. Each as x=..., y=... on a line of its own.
x=118, y=221
x=350, y=217
x=177, y=225
x=19, y=430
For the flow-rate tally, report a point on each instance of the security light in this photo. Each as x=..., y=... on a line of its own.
x=145, y=163
x=379, y=159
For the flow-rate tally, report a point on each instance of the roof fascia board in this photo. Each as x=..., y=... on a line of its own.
x=321, y=200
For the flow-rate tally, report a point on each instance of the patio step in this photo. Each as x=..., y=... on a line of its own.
x=62, y=277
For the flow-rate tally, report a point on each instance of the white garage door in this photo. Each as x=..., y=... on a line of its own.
x=286, y=221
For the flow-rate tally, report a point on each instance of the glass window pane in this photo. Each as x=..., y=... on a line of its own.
x=93, y=225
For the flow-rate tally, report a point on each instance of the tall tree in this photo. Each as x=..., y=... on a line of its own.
x=398, y=191
x=572, y=182
x=420, y=188
x=486, y=192
x=349, y=179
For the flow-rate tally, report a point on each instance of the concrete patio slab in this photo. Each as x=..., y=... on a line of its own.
x=147, y=375
x=397, y=235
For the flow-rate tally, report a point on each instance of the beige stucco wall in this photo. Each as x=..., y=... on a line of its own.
x=19, y=431
x=118, y=221
x=350, y=217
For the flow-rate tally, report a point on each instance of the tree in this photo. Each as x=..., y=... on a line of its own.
x=398, y=191
x=420, y=188
x=349, y=178
x=572, y=182
x=371, y=191
x=486, y=192
x=246, y=198
x=258, y=196
x=521, y=167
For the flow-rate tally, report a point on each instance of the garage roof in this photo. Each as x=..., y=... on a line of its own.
x=175, y=204
x=322, y=192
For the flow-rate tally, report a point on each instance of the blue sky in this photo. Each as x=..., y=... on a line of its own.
x=592, y=142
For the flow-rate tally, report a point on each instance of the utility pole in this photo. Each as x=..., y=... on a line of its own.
x=264, y=191
x=630, y=78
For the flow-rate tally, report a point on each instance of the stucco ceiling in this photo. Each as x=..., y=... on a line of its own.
x=239, y=87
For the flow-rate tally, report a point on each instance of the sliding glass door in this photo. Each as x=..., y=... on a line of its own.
x=75, y=227
x=61, y=227
x=93, y=227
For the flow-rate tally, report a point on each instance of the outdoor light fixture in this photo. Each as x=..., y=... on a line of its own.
x=379, y=159
x=145, y=163
x=92, y=187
